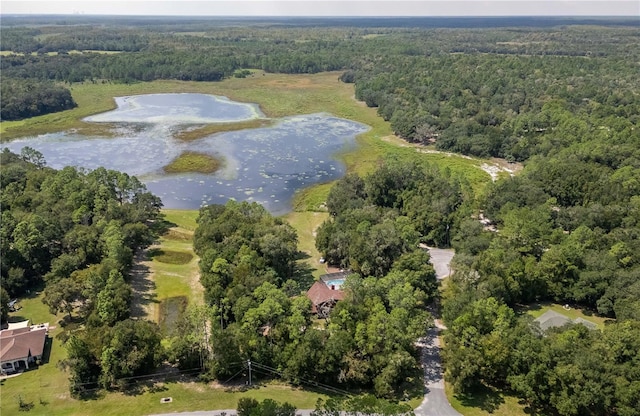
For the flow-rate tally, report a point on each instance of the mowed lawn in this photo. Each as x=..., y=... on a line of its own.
x=491, y=402
x=306, y=224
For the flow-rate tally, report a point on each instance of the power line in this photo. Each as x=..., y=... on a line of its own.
x=306, y=381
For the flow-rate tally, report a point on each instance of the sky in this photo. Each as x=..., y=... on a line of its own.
x=328, y=7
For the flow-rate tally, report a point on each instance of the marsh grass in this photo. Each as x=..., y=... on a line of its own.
x=198, y=132
x=194, y=162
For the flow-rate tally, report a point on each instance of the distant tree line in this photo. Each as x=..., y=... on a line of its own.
x=477, y=91
x=492, y=105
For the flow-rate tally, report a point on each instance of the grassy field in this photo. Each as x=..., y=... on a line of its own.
x=174, y=266
x=305, y=224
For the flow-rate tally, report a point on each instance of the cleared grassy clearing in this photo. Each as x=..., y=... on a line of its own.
x=173, y=276
x=193, y=162
x=172, y=257
x=305, y=224
x=183, y=218
x=100, y=52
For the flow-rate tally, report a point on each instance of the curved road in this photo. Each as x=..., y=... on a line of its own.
x=435, y=401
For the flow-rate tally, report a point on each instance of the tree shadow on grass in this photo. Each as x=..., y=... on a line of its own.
x=303, y=272
x=161, y=226
x=484, y=398
x=532, y=410
x=144, y=288
x=46, y=354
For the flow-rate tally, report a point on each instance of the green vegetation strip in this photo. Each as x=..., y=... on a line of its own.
x=209, y=129
x=183, y=218
x=193, y=162
x=305, y=224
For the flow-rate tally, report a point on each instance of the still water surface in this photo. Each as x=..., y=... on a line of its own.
x=265, y=165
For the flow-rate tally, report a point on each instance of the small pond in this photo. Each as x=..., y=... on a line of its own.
x=265, y=165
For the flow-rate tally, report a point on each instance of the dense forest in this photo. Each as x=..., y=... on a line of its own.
x=564, y=100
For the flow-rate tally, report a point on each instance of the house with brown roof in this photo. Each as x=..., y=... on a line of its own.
x=323, y=298
x=21, y=347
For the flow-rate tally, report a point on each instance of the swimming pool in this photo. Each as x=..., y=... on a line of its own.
x=336, y=283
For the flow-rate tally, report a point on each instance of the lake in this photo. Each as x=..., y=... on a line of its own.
x=266, y=165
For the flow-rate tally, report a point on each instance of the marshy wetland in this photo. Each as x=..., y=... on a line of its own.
x=266, y=164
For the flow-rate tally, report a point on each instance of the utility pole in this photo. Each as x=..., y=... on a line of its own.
x=249, y=364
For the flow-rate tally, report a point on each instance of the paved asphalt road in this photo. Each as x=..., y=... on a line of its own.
x=441, y=258
x=435, y=401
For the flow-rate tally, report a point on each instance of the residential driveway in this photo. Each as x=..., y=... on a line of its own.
x=435, y=401
x=441, y=259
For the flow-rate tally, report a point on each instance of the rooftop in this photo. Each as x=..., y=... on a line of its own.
x=320, y=293
x=20, y=343
x=553, y=319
